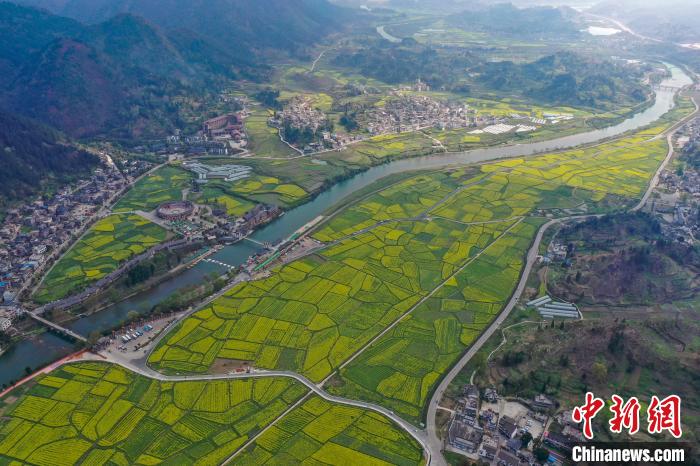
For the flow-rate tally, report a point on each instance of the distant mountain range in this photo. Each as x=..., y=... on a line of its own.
x=119, y=70
x=672, y=20
x=242, y=24
x=505, y=18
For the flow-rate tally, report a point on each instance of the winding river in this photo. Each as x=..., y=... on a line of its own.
x=46, y=348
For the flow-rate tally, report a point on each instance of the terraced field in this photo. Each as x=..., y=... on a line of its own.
x=110, y=242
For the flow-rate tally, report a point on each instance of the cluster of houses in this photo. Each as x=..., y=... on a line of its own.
x=677, y=201
x=232, y=230
x=229, y=126
x=8, y=314
x=405, y=112
x=222, y=135
x=32, y=235
x=488, y=429
x=300, y=113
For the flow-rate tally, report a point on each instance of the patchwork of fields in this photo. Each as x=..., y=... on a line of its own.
x=263, y=139
x=318, y=432
x=436, y=256
x=313, y=314
x=110, y=242
x=400, y=369
x=163, y=185
x=409, y=278
x=97, y=413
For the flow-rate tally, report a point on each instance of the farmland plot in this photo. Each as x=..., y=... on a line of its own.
x=110, y=242
x=318, y=432
x=95, y=413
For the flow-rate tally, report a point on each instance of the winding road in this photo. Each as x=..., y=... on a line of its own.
x=428, y=438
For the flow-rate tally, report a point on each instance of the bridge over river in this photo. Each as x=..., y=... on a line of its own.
x=54, y=326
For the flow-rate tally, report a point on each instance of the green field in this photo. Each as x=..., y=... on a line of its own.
x=217, y=194
x=318, y=432
x=95, y=413
x=98, y=413
x=108, y=243
x=400, y=369
x=165, y=184
x=314, y=313
x=435, y=256
x=268, y=189
x=455, y=237
x=264, y=140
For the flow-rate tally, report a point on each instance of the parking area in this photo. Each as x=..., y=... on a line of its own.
x=134, y=341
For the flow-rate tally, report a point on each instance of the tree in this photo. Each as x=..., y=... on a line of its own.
x=94, y=337
x=541, y=454
x=600, y=371
x=526, y=438
x=132, y=316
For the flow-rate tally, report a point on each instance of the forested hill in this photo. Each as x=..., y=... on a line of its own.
x=506, y=19
x=289, y=25
x=33, y=155
x=566, y=79
x=121, y=77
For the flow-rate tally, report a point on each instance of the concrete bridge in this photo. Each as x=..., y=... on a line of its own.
x=57, y=328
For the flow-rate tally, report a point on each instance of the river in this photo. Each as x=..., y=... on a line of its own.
x=46, y=349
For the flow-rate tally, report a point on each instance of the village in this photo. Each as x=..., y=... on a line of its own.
x=407, y=112
x=34, y=235
x=486, y=427
x=308, y=130
x=676, y=201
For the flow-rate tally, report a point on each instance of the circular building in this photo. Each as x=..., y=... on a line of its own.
x=178, y=210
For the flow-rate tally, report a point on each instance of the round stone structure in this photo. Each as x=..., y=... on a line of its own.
x=177, y=210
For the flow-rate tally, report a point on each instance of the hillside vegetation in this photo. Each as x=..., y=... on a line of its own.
x=34, y=156
x=130, y=77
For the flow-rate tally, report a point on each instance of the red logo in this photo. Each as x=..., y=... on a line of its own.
x=587, y=412
x=662, y=415
x=626, y=415
x=665, y=415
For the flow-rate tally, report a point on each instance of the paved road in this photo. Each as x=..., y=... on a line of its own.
x=434, y=442
x=417, y=434
x=427, y=438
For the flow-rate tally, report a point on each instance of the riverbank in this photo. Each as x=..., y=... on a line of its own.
x=295, y=218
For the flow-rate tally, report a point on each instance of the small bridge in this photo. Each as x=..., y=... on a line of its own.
x=57, y=328
x=222, y=264
x=265, y=245
x=665, y=88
